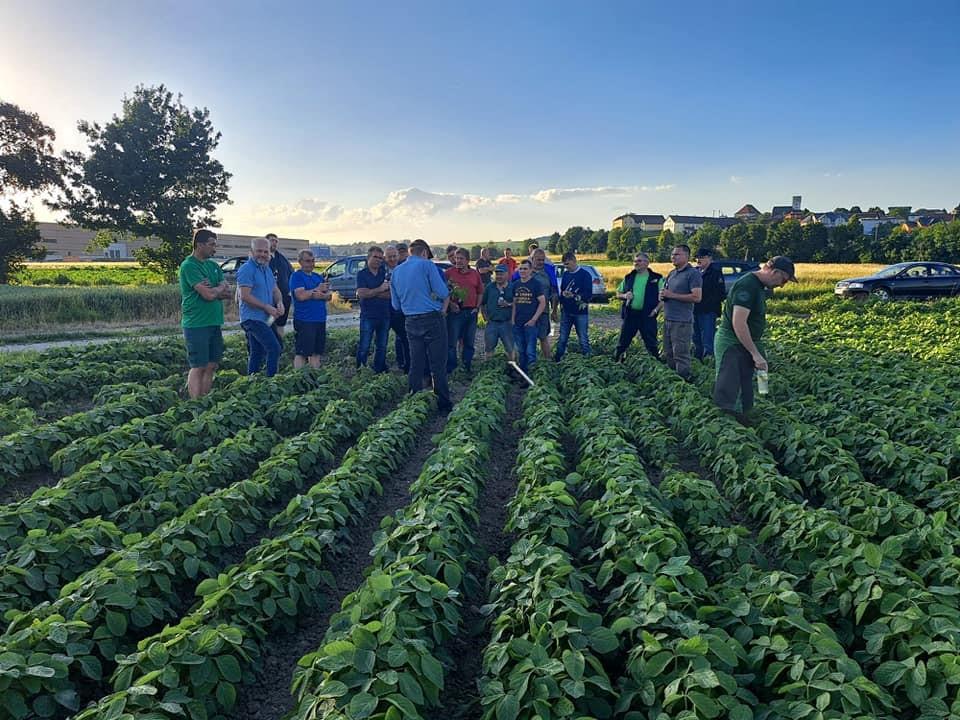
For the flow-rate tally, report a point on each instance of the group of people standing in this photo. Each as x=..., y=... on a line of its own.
x=692, y=301
x=434, y=313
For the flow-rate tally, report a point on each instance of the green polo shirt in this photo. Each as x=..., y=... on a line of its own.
x=198, y=312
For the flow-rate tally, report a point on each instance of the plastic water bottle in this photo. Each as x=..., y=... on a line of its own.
x=763, y=382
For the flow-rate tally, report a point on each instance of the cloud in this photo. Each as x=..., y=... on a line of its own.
x=415, y=206
x=736, y=179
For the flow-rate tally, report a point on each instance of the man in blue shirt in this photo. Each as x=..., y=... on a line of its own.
x=576, y=289
x=373, y=289
x=419, y=291
x=310, y=295
x=260, y=305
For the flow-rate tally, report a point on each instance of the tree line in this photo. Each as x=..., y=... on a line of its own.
x=760, y=240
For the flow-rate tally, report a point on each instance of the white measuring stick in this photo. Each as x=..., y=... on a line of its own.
x=522, y=373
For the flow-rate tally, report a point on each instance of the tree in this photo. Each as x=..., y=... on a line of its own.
x=149, y=171
x=706, y=236
x=27, y=165
x=613, y=243
x=665, y=243
x=596, y=242
x=735, y=241
x=900, y=211
x=786, y=238
x=855, y=210
x=571, y=240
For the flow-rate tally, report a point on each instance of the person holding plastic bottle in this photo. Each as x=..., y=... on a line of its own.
x=739, y=341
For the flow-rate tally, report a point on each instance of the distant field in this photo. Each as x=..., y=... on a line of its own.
x=811, y=277
x=87, y=275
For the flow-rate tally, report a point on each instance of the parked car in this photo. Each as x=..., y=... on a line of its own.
x=342, y=275
x=904, y=280
x=600, y=294
x=733, y=270
x=231, y=266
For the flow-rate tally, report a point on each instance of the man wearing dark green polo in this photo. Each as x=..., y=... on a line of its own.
x=202, y=291
x=739, y=345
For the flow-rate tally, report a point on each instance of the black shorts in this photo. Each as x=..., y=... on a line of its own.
x=311, y=337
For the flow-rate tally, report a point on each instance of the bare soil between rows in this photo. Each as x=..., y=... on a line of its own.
x=269, y=698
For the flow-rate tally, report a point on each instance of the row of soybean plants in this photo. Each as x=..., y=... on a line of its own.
x=385, y=654
x=193, y=668
x=57, y=655
x=69, y=375
x=896, y=443
x=924, y=331
x=50, y=538
x=901, y=626
x=832, y=478
x=887, y=402
x=123, y=416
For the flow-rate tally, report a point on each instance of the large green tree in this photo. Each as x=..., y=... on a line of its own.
x=27, y=165
x=149, y=171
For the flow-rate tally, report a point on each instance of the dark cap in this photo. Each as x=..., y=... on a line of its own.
x=422, y=244
x=704, y=252
x=785, y=264
x=501, y=268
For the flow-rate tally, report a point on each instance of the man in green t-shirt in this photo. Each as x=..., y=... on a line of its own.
x=738, y=345
x=202, y=290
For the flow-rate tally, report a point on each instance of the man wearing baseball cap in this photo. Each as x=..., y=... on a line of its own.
x=739, y=345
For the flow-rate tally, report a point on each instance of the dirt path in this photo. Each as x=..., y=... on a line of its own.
x=269, y=698
x=460, y=698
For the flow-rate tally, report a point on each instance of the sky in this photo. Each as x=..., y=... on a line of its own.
x=468, y=122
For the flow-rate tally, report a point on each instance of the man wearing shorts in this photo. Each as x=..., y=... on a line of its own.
x=310, y=294
x=202, y=290
x=497, y=310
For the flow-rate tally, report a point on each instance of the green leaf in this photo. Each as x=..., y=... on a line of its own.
x=872, y=555
x=229, y=668
x=741, y=712
x=603, y=640
x=432, y=670
x=411, y=688
x=397, y=655
x=191, y=566
x=116, y=623
x=364, y=660
x=573, y=663
x=889, y=673
x=655, y=665
x=226, y=695
x=704, y=704
x=362, y=705
x=508, y=708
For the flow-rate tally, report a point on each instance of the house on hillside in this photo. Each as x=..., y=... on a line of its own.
x=827, y=219
x=748, y=213
x=872, y=220
x=689, y=224
x=779, y=211
x=646, y=223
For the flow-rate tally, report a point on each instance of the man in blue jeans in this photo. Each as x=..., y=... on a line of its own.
x=260, y=304
x=373, y=289
x=419, y=291
x=529, y=303
x=576, y=289
x=707, y=311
